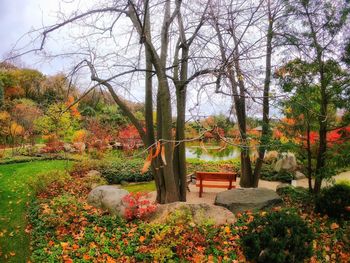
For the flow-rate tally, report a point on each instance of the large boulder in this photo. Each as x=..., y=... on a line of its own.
x=299, y=175
x=79, y=146
x=288, y=162
x=197, y=214
x=271, y=156
x=93, y=173
x=68, y=148
x=108, y=197
x=243, y=199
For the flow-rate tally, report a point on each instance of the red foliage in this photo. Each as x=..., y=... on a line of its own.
x=99, y=135
x=129, y=132
x=129, y=137
x=337, y=136
x=14, y=92
x=138, y=206
x=53, y=147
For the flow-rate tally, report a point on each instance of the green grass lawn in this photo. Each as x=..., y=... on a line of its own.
x=14, y=195
x=140, y=187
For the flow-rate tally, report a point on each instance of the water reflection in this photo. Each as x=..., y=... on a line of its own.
x=212, y=152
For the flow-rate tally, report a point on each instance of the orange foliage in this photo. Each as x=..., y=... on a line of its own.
x=73, y=108
x=79, y=136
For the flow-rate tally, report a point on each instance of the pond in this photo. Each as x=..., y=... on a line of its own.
x=211, y=152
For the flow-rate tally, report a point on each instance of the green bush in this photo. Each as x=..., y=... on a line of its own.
x=280, y=236
x=40, y=182
x=124, y=170
x=194, y=165
x=93, y=181
x=333, y=200
x=297, y=194
x=269, y=174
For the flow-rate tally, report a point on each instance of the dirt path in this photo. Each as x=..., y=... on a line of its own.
x=210, y=193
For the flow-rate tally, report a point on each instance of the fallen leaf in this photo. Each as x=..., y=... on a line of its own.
x=334, y=226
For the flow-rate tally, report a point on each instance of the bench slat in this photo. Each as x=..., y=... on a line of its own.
x=215, y=186
x=229, y=178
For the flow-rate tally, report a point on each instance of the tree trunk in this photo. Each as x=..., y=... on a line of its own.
x=309, y=156
x=265, y=133
x=170, y=184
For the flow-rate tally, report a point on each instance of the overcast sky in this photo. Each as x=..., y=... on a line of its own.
x=17, y=17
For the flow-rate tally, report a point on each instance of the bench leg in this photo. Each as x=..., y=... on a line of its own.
x=200, y=188
x=230, y=185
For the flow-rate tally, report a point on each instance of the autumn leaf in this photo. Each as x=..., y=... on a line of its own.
x=334, y=226
x=163, y=155
x=147, y=163
x=142, y=238
x=86, y=257
x=64, y=245
x=12, y=254
x=157, y=150
x=75, y=246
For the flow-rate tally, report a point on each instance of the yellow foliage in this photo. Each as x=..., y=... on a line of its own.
x=4, y=116
x=16, y=129
x=79, y=136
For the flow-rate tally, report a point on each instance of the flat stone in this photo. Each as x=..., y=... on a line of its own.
x=299, y=175
x=243, y=199
x=108, y=197
x=197, y=214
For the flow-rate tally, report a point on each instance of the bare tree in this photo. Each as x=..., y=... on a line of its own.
x=159, y=54
x=235, y=27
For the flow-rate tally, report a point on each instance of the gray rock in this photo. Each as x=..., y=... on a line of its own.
x=108, y=197
x=287, y=162
x=281, y=187
x=196, y=214
x=68, y=148
x=243, y=199
x=299, y=175
x=93, y=173
x=79, y=146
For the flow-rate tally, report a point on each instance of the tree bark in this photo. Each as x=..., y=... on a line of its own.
x=265, y=133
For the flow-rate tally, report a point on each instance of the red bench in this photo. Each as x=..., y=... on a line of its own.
x=230, y=178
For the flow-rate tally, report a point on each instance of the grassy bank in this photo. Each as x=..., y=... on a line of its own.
x=14, y=195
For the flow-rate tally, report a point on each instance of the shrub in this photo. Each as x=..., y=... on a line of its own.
x=85, y=166
x=93, y=181
x=297, y=194
x=122, y=170
x=280, y=236
x=269, y=174
x=115, y=171
x=138, y=206
x=40, y=182
x=333, y=201
x=213, y=166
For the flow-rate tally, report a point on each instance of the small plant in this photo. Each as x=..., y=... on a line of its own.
x=93, y=181
x=43, y=180
x=124, y=170
x=138, y=206
x=269, y=174
x=333, y=201
x=279, y=236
